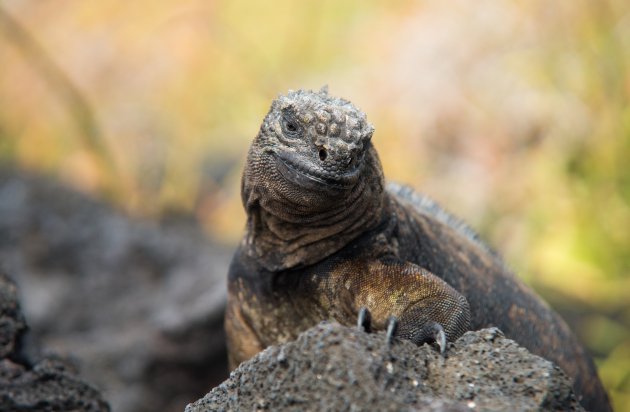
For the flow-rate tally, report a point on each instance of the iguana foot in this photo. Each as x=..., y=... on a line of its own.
x=431, y=332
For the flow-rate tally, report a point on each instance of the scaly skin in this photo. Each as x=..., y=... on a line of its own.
x=325, y=238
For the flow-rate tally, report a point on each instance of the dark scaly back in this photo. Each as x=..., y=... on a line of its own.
x=431, y=207
x=441, y=243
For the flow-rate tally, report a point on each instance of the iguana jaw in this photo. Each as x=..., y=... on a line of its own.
x=291, y=225
x=306, y=176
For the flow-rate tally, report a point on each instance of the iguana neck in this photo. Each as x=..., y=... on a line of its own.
x=283, y=234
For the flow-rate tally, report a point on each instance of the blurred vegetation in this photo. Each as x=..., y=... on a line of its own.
x=515, y=115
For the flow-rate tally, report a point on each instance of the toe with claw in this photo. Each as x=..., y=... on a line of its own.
x=392, y=328
x=429, y=333
x=364, y=320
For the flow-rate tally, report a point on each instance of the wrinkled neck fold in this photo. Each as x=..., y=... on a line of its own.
x=286, y=232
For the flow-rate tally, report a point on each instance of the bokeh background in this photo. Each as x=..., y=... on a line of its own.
x=514, y=115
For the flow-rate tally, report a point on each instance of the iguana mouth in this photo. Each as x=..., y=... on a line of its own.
x=293, y=169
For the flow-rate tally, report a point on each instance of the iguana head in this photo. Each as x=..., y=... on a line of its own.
x=314, y=140
x=311, y=173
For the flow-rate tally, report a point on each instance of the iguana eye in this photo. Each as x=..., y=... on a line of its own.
x=290, y=126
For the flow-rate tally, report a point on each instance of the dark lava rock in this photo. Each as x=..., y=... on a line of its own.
x=331, y=367
x=36, y=384
x=138, y=303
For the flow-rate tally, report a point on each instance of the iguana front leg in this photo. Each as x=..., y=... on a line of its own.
x=420, y=303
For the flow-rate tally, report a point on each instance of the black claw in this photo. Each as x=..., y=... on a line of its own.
x=429, y=333
x=440, y=338
x=364, y=320
x=392, y=326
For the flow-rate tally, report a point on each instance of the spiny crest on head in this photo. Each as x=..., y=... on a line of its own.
x=325, y=112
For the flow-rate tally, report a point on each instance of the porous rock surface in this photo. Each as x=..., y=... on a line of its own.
x=28, y=383
x=139, y=304
x=331, y=367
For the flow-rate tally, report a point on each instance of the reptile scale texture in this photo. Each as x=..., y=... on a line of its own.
x=326, y=238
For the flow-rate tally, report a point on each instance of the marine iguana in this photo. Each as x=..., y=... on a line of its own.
x=327, y=240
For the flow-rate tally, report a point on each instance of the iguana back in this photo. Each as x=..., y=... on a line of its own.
x=450, y=249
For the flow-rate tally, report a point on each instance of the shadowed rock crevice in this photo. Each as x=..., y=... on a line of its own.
x=29, y=383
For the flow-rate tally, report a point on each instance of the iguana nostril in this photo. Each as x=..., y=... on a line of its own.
x=323, y=154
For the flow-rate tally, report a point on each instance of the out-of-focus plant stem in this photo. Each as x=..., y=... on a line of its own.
x=71, y=97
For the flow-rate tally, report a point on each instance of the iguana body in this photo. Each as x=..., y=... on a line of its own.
x=325, y=238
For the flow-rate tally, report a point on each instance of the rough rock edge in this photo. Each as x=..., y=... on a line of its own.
x=45, y=384
x=331, y=367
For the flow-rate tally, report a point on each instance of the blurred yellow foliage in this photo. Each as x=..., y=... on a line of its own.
x=515, y=115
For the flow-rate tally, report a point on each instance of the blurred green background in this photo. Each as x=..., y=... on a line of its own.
x=514, y=115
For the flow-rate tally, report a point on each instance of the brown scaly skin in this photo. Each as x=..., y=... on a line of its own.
x=325, y=238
